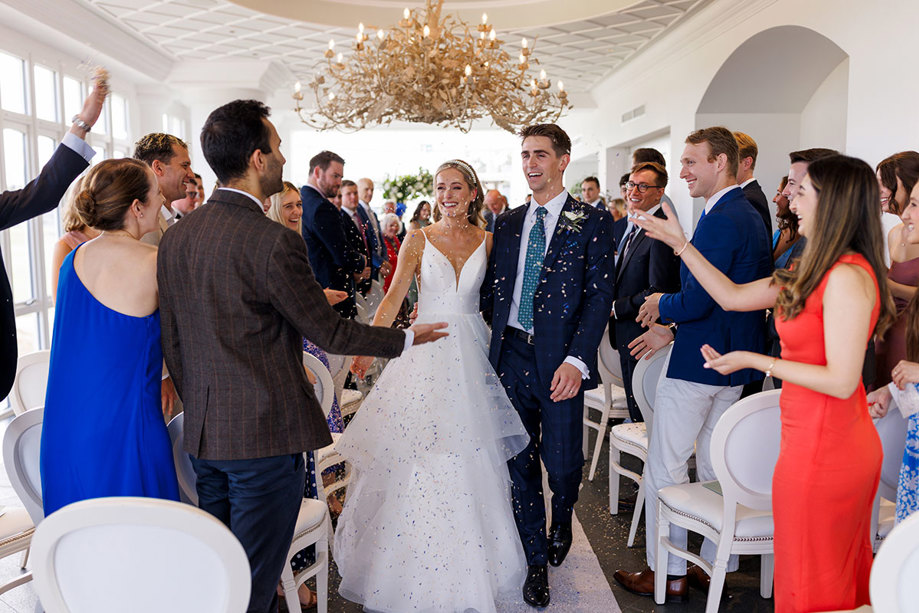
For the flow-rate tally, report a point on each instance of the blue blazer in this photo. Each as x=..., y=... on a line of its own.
x=377, y=247
x=731, y=237
x=574, y=296
x=331, y=255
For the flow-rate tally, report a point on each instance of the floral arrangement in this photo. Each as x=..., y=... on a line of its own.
x=407, y=187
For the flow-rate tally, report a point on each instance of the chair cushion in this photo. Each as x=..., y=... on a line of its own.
x=696, y=501
x=15, y=530
x=634, y=434
x=348, y=397
x=312, y=513
x=595, y=398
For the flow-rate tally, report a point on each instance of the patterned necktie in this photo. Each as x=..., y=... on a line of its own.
x=628, y=241
x=536, y=252
x=360, y=226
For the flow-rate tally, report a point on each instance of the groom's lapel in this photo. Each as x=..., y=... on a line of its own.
x=561, y=233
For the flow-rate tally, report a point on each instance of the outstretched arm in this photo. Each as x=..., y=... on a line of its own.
x=730, y=296
x=847, y=303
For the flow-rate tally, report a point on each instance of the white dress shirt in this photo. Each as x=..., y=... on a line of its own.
x=78, y=146
x=550, y=221
x=711, y=202
x=409, y=334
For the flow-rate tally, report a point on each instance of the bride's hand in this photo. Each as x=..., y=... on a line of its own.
x=360, y=364
x=667, y=230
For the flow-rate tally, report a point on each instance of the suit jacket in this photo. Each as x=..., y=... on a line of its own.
x=574, y=295
x=619, y=227
x=237, y=298
x=38, y=197
x=731, y=237
x=378, y=253
x=647, y=267
x=757, y=198
x=333, y=261
x=489, y=216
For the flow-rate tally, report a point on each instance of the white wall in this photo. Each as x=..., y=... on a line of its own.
x=823, y=120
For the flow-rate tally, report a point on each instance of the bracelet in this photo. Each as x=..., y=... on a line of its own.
x=682, y=249
x=81, y=124
x=771, y=366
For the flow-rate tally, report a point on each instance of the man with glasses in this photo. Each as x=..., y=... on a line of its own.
x=643, y=266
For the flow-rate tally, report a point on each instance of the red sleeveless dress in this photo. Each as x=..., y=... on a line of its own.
x=825, y=478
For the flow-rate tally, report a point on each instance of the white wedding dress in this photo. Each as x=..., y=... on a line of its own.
x=427, y=523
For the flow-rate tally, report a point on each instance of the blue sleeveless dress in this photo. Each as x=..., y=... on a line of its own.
x=103, y=432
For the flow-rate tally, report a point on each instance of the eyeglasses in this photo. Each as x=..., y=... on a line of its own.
x=642, y=187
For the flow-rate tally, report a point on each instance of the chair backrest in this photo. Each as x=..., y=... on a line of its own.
x=894, y=588
x=362, y=313
x=337, y=363
x=22, y=457
x=374, y=296
x=644, y=382
x=745, y=447
x=325, y=389
x=184, y=469
x=142, y=555
x=892, y=431
x=31, y=380
x=609, y=361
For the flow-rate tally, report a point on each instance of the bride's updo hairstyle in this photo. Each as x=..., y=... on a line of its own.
x=109, y=189
x=474, y=214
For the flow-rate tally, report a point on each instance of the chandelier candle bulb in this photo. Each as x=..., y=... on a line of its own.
x=484, y=18
x=426, y=31
x=405, y=14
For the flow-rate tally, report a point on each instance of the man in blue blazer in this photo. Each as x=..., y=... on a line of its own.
x=41, y=195
x=691, y=398
x=548, y=293
x=334, y=262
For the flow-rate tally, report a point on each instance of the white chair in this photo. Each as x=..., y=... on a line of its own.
x=633, y=438
x=184, y=469
x=363, y=313
x=31, y=380
x=608, y=399
x=892, y=432
x=325, y=389
x=895, y=574
x=142, y=555
x=349, y=401
x=312, y=528
x=327, y=456
x=744, y=450
x=21, y=456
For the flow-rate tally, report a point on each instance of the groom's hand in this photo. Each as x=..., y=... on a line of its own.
x=425, y=333
x=565, y=383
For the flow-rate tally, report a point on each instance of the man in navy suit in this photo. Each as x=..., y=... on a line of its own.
x=590, y=194
x=548, y=293
x=379, y=255
x=643, y=266
x=691, y=398
x=333, y=261
x=746, y=162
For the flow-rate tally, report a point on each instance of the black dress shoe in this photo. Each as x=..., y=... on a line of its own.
x=559, y=543
x=536, y=587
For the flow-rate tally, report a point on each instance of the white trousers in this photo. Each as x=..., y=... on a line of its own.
x=685, y=415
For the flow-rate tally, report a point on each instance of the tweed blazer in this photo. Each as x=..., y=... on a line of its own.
x=237, y=297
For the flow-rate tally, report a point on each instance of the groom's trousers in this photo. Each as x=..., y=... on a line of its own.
x=556, y=433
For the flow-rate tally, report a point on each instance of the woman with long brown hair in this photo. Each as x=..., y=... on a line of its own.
x=827, y=308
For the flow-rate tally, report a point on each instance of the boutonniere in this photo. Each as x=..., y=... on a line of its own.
x=572, y=220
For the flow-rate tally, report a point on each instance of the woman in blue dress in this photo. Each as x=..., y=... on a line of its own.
x=103, y=432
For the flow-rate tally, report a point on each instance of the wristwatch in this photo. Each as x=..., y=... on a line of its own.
x=81, y=124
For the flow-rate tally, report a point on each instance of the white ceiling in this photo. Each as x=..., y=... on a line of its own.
x=581, y=53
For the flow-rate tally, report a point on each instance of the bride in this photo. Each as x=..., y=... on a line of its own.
x=428, y=525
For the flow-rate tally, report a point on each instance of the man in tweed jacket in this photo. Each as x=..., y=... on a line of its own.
x=237, y=296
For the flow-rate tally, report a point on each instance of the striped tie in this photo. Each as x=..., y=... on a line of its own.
x=536, y=252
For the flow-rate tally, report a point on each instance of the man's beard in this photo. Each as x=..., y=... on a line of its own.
x=273, y=182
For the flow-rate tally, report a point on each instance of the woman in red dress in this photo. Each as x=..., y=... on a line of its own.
x=826, y=310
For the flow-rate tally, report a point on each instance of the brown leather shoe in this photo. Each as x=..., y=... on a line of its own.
x=643, y=584
x=698, y=578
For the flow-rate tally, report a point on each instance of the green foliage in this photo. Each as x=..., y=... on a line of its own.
x=407, y=187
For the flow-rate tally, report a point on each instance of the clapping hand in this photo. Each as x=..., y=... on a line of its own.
x=905, y=372
x=667, y=230
x=657, y=337
x=649, y=312
x=879, y=402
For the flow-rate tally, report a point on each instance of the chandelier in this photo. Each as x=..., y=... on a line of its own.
x=433, y=70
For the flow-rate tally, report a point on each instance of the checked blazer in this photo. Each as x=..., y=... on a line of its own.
x=574, y=295
x=237, y=297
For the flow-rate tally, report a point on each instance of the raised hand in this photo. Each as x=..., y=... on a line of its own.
x=656, y=338
x=727, y=363
x=667, y=230
x=92, y=106
x=649, y=312
x=905, y=372
x=426, y=333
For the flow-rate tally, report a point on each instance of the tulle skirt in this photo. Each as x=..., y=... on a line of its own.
x=427, y=524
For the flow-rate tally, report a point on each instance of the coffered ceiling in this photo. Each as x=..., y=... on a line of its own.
x=580, y=52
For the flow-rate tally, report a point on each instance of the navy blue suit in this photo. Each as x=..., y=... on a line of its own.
x=619, y=227
x=374, y=242
x=333, y=260
x=731, y=237
x=571, y=307
x=647, y=267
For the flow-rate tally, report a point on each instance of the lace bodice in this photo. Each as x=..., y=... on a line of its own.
x=441, y=291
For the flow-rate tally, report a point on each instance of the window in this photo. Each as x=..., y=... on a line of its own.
x=38, y=102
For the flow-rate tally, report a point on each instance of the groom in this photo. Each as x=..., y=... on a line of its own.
x=548, y=295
